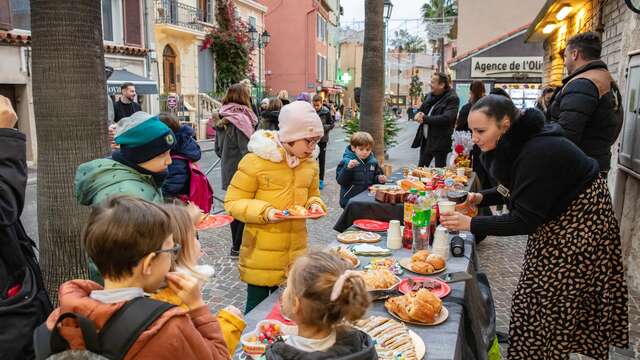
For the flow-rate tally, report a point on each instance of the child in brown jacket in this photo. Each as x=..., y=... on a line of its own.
x=131, y=242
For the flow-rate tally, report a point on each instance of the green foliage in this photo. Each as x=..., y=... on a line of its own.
x=436, y=8
x=407, y=42
x=415, y=88
x=391, y=129
x=231, y=46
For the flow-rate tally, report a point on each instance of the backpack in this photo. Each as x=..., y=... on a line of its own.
x=200, y=191
x=112, y=342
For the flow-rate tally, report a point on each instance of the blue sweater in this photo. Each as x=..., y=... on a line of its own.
x=358, y=179
x=177, y=181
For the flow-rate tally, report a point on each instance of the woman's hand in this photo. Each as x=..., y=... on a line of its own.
x=456, y=221
x=187, y=288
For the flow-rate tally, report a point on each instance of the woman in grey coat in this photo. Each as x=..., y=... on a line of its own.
x=234, y=128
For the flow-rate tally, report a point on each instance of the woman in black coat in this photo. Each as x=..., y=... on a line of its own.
x=572, y=296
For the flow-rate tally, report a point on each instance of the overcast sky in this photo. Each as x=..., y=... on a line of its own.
x=402, y=10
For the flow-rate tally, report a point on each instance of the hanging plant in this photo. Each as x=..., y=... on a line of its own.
x=229, y=40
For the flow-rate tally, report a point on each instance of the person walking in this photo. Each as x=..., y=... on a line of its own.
x=588, y=105
x=544, y=100
x=270, y=115
x=126, y=106
x=236, y=125
x=328, y=122
x=571, y=296
x=437, y=117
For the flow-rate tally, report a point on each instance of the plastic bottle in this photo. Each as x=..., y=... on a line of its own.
x=409, y=203
x=420, y=222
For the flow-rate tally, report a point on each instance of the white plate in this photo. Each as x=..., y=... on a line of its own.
x=442, y=317
x=406, y=263
x=418, y=345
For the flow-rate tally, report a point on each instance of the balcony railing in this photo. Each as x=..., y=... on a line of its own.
x=176, y=13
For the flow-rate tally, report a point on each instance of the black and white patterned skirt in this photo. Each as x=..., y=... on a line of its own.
x=572, y=296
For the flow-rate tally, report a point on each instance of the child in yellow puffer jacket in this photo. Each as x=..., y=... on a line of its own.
x=278, y=173
x=184, y=233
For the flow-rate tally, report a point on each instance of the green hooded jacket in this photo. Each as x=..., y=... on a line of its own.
x=98, y=179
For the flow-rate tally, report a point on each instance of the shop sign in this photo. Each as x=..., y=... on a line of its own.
x=493, y=67
x=172, y=102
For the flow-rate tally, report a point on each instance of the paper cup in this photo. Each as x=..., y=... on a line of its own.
x=446, y=207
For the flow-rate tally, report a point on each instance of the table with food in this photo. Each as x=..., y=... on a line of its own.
x=429, y=300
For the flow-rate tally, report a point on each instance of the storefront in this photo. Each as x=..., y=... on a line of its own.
x=507, y=62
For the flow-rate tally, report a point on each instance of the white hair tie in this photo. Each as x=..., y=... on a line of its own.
x=339, y=284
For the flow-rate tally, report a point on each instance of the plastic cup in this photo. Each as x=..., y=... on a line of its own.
x=447, y=207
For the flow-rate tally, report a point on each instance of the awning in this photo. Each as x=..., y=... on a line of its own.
x=143, y=85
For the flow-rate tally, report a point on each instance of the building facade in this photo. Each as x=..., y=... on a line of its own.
x=402, y=66
x=302, y=56
x=619, y=28
x=252, y=13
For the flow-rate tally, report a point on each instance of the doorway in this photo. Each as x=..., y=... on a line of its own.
x=169, y=69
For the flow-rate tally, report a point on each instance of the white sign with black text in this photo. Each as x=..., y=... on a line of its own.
x=496, y=67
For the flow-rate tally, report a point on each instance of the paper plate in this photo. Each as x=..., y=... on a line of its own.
x=406, y=263
x=355, y=237
x=441, y=292
x=371, y=225
x=214, y=221
x=418, y=345
x=442, y=317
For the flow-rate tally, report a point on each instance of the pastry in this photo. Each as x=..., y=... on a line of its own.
x=391, y=337
x=407, y=185
x=347, y=255
x=421, y=173
x=379, y=279
x=422, y=267
x=421, y=306
x=437, y=261
x=420, y=255
x=351, y=237
x=297, y=210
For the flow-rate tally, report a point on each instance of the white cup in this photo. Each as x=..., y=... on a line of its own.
x=440, y=237
x=447, y=207
x=394, y=235
x=460, y=171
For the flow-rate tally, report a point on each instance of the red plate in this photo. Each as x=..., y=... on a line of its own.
x=276, y=314
x=371, y=225
x=441, y=292
x=214, y=221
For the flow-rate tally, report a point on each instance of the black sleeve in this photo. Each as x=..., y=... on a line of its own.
x=578, y=103
x=462, y=122
x=423, y=108
x=344, y=175
x=491, y=197
x=448, y=117
x=504, y=225
x=13, y=175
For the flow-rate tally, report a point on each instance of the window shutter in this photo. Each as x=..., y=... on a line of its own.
x=5, y=15
x=132, y=23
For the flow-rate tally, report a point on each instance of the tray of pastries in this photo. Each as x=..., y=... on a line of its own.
x=424, y=262
x=345, y=254
x=421, y=307
x=393, y=339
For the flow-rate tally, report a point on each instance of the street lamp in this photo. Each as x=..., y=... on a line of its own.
x=260, y=41
x=388, y=7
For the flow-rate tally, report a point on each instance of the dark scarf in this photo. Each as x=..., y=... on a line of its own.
x=158, y=178
x=500, y=160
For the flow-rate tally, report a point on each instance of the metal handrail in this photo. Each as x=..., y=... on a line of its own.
x=176, y=13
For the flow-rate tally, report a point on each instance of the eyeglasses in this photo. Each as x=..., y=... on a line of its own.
x=174, y=250
x=312, y=142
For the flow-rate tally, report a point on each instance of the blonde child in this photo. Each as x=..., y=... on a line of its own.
x=184, y=219
x=279, y=172
x=320, y=295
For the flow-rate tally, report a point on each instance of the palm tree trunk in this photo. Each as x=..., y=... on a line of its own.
x=372, y=93
x=70, y=111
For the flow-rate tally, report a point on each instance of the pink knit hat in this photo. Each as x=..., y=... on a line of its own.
x=297, y=121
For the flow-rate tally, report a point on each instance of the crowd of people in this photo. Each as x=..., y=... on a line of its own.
x=547, y=165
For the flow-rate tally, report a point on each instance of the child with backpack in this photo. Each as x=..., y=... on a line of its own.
x=184, y=219
x=185, y=180
x=321, y=295
x=131, y=242
x=279, y=172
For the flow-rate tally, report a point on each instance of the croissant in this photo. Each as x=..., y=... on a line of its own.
x=422, y=267
x=420, y=255
x=398, y=306
x=426, y=297
x=437, y=261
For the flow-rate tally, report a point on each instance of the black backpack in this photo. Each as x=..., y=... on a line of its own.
x=112, y=342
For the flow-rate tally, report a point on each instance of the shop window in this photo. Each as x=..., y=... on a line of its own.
x=112, y=21
x=21, y=14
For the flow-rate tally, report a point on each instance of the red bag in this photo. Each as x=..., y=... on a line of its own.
x=200, y=190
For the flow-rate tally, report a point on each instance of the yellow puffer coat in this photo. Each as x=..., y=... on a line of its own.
x=264, y=180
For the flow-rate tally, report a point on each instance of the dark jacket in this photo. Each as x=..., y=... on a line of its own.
x=543, y=172
x=122, y=110
x=440, y=122
x=328, y=122
x=358, y=179
x=350, y=345
x=231, y=147
x=177, y=180
x=587, y=108
x=462, y=124
x=23, y=312
x=270, y=120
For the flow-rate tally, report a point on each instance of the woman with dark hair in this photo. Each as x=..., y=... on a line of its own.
x=545, y=99
x=270, y=115
x=500, y=91
x=476, y=91
x=236, y=125
x=572, y=295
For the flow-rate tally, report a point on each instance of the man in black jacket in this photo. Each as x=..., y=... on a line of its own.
x=328, y=122
x=436, y=116
x=588, y=105
x=24, y=304
x=127, y=105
